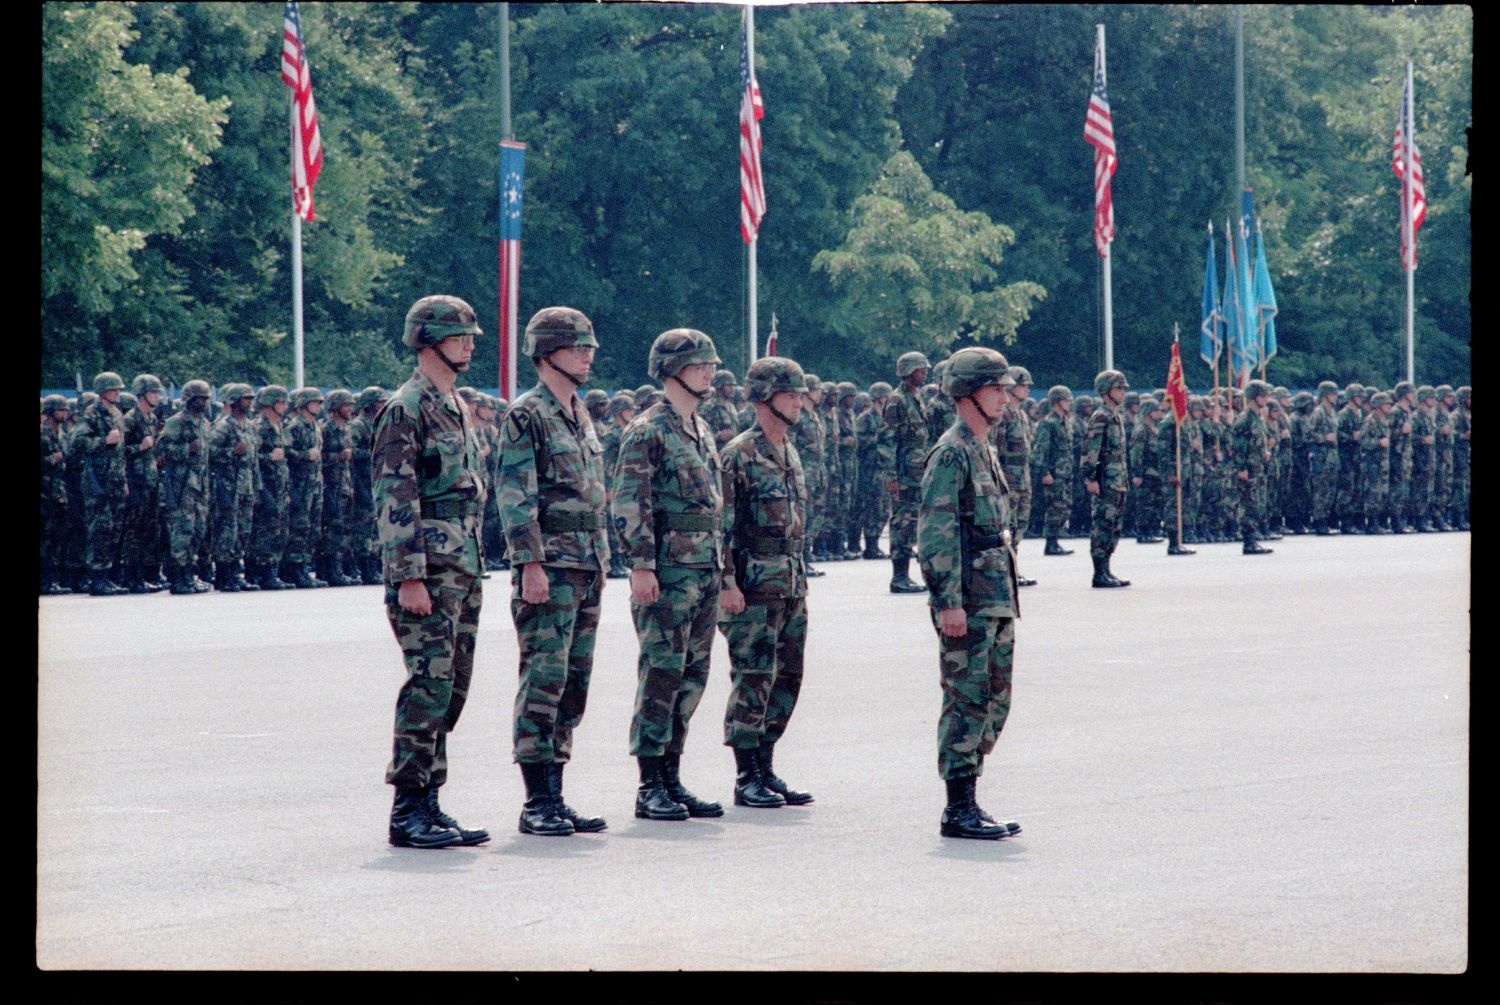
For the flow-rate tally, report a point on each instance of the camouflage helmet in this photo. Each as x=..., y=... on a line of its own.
x=1132, y=399
x=304, y=396
x=813, y=382
x=1380, y=398
x=722, y=378
x=1150, y=405
x=1257, y=389
x=622, y=402
x=596, y=397
x=108, y=381
x=646, y=390
x=1354, y=390
x=862, y=399
x=1404, y=388
x=935, y=376
x=880, y=389
x=677, y=348
x=1058, y=392
x=1326, y=388
x=270, y=395
x=372, y=395
x=847, y=389
x=1426, y=393
x=127, y=401
x=146, y=382
x=1108, y=380
x=1281, y=392
x=554, y=328
x=1465, y=393
x=1021, y=375
x=1443, y=391
x=235, y=391
x=338, y=398
x=468, y=394
x=196, y=389
x=830, y=390
x=911, y=362
x=772, y=375
x=54, y=403
x=1369, y=390
x=433, y=319
x=973, y=367
x=1303, y=400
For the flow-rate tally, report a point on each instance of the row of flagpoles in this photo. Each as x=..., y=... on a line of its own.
x=1238, y=326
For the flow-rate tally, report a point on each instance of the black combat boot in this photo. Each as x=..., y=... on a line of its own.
x=200, y=585
x=52, y=587
x=749, y=787
x=872, y=548
x=411, y=827
x=237, y=574
x=437, y=816
x=1053, y=548
x=181, y=584
x=303, y=578
x=1110, y=573
x=1011, y=826
x=1147, y=537
x=766, y=753
x=581, y=824
x=539, y=815
x=900, y=580
x=671, y=764
x=224, y=580
x=133, y=579
x=1253, y=547
x=961, y=816
x=807, y=562
x=1174, y=546
x=651, y=800
x=265, y=574
x=1376, y=525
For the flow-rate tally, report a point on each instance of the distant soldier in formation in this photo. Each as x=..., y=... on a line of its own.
x=902, y=451
x=1163, y=465
x=1423, y=460
x=268, y=538
x=1106, y=475
x=1403, y=401
x=53, y=495
x=849, y=520
x=1323, y=462
x=234, y=473
x=97, y=442
x=1375, y=461
x=1081, y=519
x=719, y=411
x=1254, y=454
x=1349, y=502
x=1463, y=419
x=810, y=436
x=1148, y=472
x=619, y=414
x=141, y=536
x=1054, y=456
x=362, y=507
x=1013, y=444
x=304, y=453
x=875, y=504
x=185, y=490
x=336, y=543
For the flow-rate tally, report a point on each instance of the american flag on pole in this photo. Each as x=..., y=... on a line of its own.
x=1099, y=133
x=752, y=187
x=307, y=145
x=1413, y=193
x=512, y=173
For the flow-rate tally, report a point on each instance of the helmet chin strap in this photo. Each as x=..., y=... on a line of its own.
x=448, y=362
x=778, y=413
x=988, y=418
x=700, y=395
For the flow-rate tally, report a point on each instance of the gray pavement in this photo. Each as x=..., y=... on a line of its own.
x=1237, y=764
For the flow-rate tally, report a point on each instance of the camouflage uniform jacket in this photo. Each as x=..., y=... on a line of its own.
x=609, y=443
x=1053, y=448
x=359, y=462
x=426, y=478
x=722, y=417
x=1375, y=428
x=184, y=447
x=940, y=414
x=227, y=467
x=1252, y=439
x=54, y=466
x=1350, y=421
x=551, y=495
x=903, y=439
x=1316, y=428
x=765, y=517
x=1104, y=459
x=1160, y=454
x=103, y=467
x=867, y=433
x=963, y=542
x=667, y=499
x=336, y=474
x=141, y=465
x=1423, y=427
x=303, y=437
x=833, y=441
x=275, y=481
x=809, y=436
x=1013, y=444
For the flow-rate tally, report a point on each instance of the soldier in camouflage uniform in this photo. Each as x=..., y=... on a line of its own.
x=902, y=449
x=273, y=498
x=849, y=526
x=1194, y=470
x=1323, y=475
x=1081, y=519
x=234, y=480
x=76, y=570
x=1053, y=457
x=968, y=561
x=619, y=414
x=1375, y=461
x=1162, y=463
x=666, y=507
x=1012, y=441
x=53, y=496
x=336, y=543
x=1463, y=429
x=184, y=448
x=485, y=429
x=1404, y=401
x=429, y=498
x=763, y=596
x=1442, y=474
x=1147, y=472
x=141, y=535
x=97, y=444
x=1349, y=503
x=362, y=509
x=645, y=396
x=1106, y=474
x=553, y=505
x=1423, y=460
x=597, y=400
x=719, y=410
x=809, y=436
x=1253, y=457
x=875, y=505
x=304, y=454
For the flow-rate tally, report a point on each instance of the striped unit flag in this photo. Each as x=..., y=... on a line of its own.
x=752, y=186
x=1209, y=343
x=512, y=176
x=1413, y=195
x=1099, y=133
x=307, y=145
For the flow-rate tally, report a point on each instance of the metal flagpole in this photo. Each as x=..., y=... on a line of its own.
x=1408, y=234
x=296, y=251
x=750, y=312
x=1107, y=258
x=1178, y=423
x=506, y=339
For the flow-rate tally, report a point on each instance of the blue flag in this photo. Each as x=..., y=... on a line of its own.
x=1239, y=306
x=1265, y=300
x=1208, y=342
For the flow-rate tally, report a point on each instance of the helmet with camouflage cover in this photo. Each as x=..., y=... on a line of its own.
x=812, y=382
x=1380, y=398
x=108, y=381
x=1403, y=388
x=1059, y=392
x=471, y=395
x=1303, y=400
x=127, y=401
x=862, y=400
x=1465, y=393
x=677, y=348
x=501, y=404
x=270, y=395
x=772, y=375
x=722, y=378
x=554, y=328
x=935, y=375
x=1108, y=380
x=623, y=401
x=847, y=389
x=1426, y=393
x=911, y=362
x=1326, y=388
x=338, y=398
x=1021, y=376
x=370, y=396
x=1281, y=392
x=235, y=391
x=197, y=389
x=1443, y=391
x=1257, y=389
x=146, y=382
x=435, y=318
x=304, y=396
x=596, y=397
x=1150, y=405
x=830, y=390
x=1132, y=399
x=1369, y=390
x=973, y=367
x=880, y=389
x=54, y=403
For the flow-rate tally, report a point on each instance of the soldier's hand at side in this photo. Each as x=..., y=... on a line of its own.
x=112, y=437
x=534, y=586
x=239, y=447
x=1243, y=476
x=1136, y=481
x=731, y=600
x=1385, y=441
x=348, y=453
x=278, y=454
x=315, y=454
x=1047, y=479
x=147, y=441
x=414, y=598
x=953, y=622
x=643, y=586
x=1091, y=487
x=893, y=487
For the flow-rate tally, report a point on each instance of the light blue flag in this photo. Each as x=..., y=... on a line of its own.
x=1208, y=341
x=1265, y=299
x=1244, y=344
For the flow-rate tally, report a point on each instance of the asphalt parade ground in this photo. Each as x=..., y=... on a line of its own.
x=1236, y=764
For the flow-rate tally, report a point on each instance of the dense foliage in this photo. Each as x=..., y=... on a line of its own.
x=926, y=173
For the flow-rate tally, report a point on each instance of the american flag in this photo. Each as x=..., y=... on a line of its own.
x=1414, y=203
x=1099, y=133
x=307, y=145
x=752, y=188
x=512, y=172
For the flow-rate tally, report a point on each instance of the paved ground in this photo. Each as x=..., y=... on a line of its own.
x=1238, y=764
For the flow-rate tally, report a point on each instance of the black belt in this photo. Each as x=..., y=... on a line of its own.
x=767, y=547
x=445, y=509
x=985, y=542
x=562, y=523
x=687, y=521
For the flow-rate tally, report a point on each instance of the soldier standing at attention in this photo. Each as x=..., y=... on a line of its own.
x=619, y=414
x=304, y=455
x=335, y=544
x=966, y=555
x=273, y=500
x=1254, y=453
x=429, y=499
x=1423, y=459
x=1375, y=460
x=140, y=551
x=234, y=478
x=97, y=440
x=1323, y=475
x=809, y=437
x=874, y=503
x=902, y=449
x=1442, y=483
x=53, y=496
x=1053, y=452
x=718, y=409
x=362, y=511
x=1404, y=401
x=667, y=505
x=1106, y=476
x=552, y=503
x=1013, y=444
x=185, y=451
x=763, y=599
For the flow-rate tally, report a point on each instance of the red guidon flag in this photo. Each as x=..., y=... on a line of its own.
x=1177, y=389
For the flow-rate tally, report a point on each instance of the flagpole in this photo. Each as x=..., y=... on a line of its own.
x=1178, y=423
x=1407, y=211
x=506, y=365
x=1260, y=320
x=296, y=250
x=1106, y=259
x=750, y=292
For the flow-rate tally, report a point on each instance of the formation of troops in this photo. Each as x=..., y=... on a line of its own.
x=717, y=500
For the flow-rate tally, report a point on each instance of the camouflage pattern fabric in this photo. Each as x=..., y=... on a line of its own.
x=273, y=501
x=1442, y=479
x=849, y=450
x=305, y=511
x=1104, y=461
x=102, y=482
x=1080, y=520
x=337, y=539
x=676, y=636
x=1252, y=440
x=141, y=533
x=52, y=500
x=722, y=417
x=1349, y=503
x=766, y=641
x=1462, y=438
x=902, y=450
x=1423, y=465
x=1053, y=453
x=1323, y=472
x=1375, y=462
x=1401, y=464
x=556, y=641
x=184, y=447
x=362, y=504
x=1012, y=438
x=874, y=503
x=810, y=438
x=234, y=477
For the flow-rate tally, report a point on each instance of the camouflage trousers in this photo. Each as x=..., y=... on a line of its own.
x=337, y=539
x=975, y=674
x=268, y=533
x=875, y=508
x=53, y=524
x=232, y=521
x=187, y=528
x=1081, y=520
x=1107, y=517
x=1057, y=505
x=1398, y=491
x=766, y=642
x=904, y=520
x=1323, y=478
x=676, y=635
x=1347, y=502
x=1020, y=502
x=304, y=527
x=1255, y=503
x=1375, y=480
x=1419, y=494
x=104, y=524
x=1150, y=500
x=141, y=528
x=556, y=639
x=438, y=650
